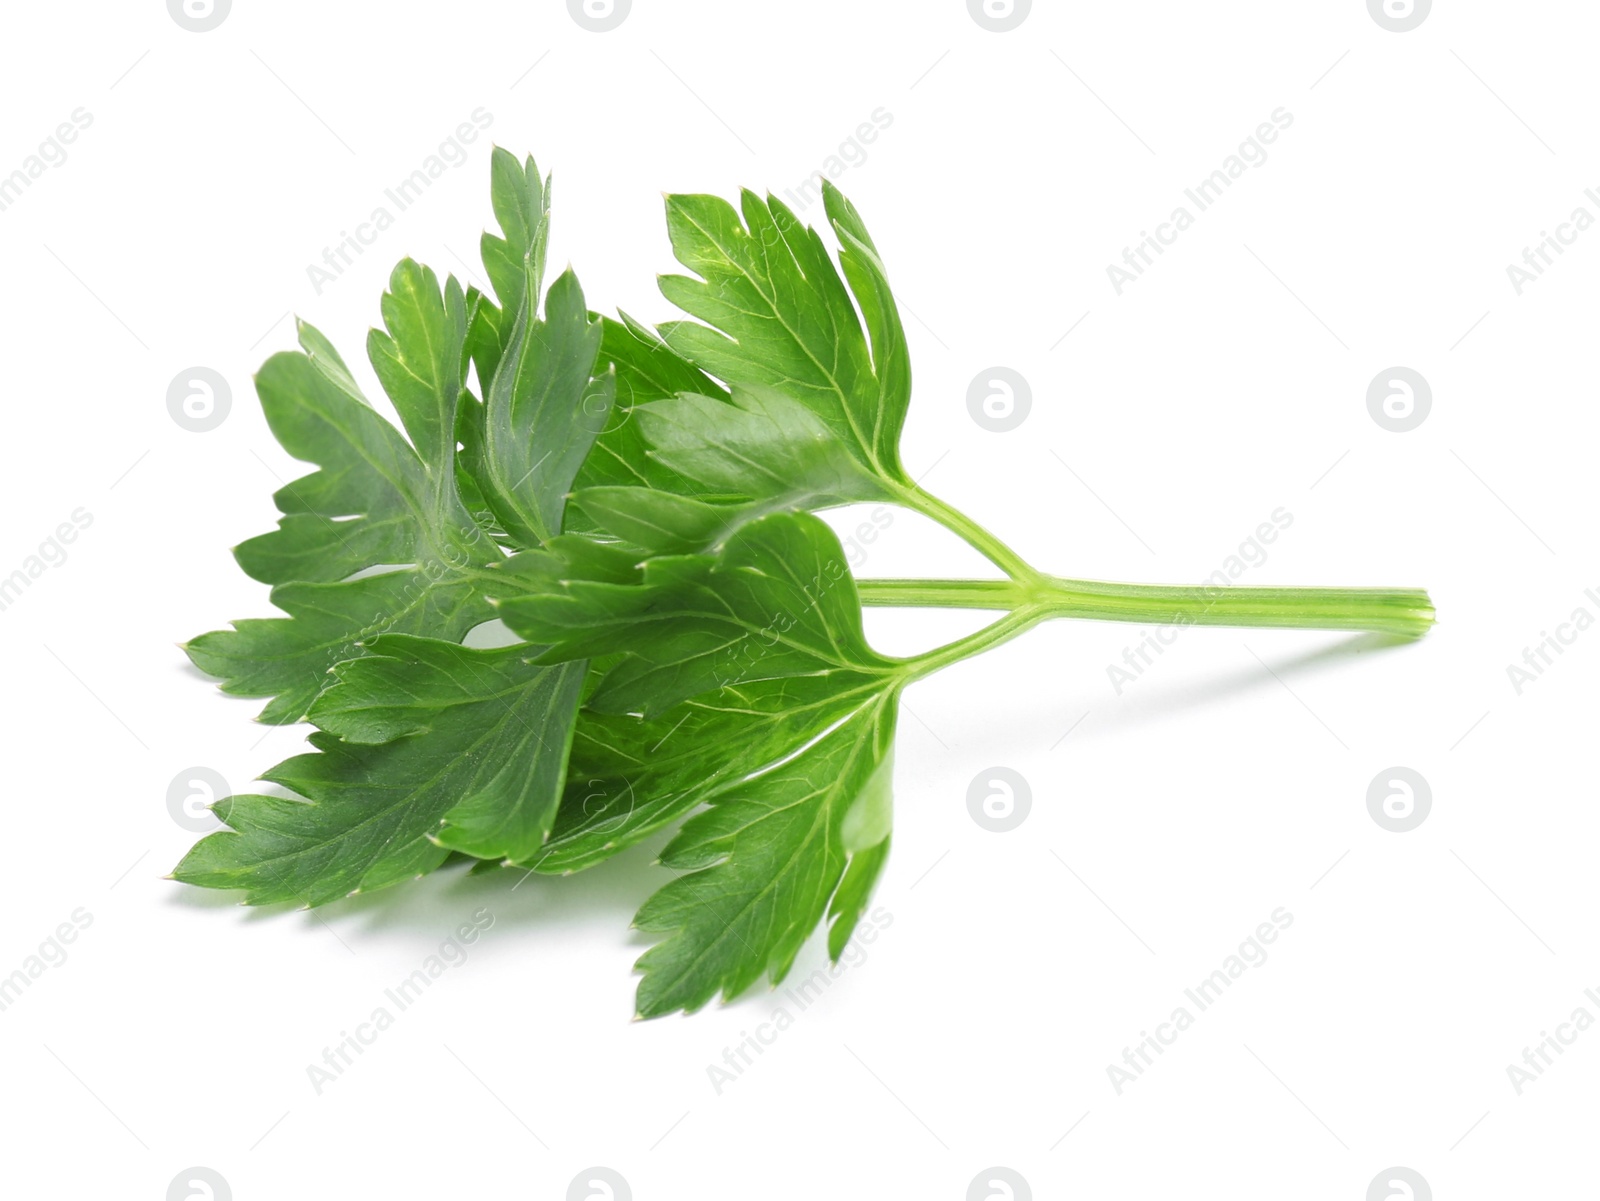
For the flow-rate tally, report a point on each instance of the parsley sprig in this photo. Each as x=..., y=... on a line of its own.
x=636, y=505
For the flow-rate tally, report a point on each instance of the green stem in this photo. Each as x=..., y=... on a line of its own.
x=1403, y=611
x=980, y=539
x=1018, y=621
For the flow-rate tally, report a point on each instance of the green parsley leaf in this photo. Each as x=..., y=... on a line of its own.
x=521, y=202
x=377, y=502
x=763, y=864
x=779, y=320
x=630, y=776
x=776, y=600
x=785, y=726
x=647, y=370
x=543, y=414
x=439, y=748
x=768, y=688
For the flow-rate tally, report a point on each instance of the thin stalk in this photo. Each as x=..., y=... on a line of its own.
x=980, y=539
x=1403, y=611
x=1018, y=621
x=1002, y=595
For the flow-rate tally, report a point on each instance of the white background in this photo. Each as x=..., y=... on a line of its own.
x=1229, y=780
